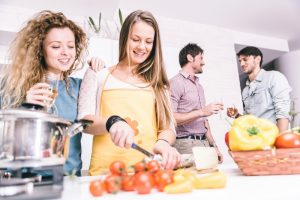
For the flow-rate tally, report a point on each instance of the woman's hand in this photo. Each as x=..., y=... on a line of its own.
x=96, y=64
x=122, y=134
x=170, y=155
x=39, y=94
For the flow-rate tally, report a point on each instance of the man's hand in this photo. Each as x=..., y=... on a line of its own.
x=212, y=108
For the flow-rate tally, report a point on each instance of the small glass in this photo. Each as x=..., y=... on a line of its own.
x=219, y=100
x=52, y=80
x=232, y=112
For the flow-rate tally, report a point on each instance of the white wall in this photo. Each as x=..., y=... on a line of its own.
x=289, y=65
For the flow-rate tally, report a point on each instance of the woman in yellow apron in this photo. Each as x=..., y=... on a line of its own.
x=129, y=102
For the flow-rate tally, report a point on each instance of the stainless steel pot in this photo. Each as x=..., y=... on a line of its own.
x=31, y=135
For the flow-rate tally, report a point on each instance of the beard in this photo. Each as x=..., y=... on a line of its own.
x=199, y=71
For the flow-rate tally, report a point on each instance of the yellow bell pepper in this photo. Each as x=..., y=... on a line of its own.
x=180, y=186
x=251, y=133
x=185, y=174
x=210, y=181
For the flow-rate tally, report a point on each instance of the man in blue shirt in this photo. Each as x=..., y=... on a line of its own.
x=267, y=93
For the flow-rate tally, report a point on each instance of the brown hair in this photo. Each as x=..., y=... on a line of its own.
x=26, y=53
x=152, y=69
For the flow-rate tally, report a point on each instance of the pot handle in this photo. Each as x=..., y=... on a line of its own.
x=32, y=106
x=78, y=126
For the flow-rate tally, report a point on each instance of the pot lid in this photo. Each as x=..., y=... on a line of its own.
x=21, y=113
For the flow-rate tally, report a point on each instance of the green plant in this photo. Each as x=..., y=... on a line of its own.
x=293, y=113
x=121, y=17
x=93, y=26
x=120, y=20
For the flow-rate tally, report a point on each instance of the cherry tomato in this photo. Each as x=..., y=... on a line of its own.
x=143, y=182
x=288, y=140
x=127, y=183
x=112, y=183
x=162, y=179
x=139, y=167
x=96, y=188
x=117, y=167
x=153, y=166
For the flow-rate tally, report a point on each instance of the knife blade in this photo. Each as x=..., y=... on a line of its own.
x=142, y=150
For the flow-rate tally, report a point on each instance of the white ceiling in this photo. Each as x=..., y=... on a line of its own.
x=275, y=18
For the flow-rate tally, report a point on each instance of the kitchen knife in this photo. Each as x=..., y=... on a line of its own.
x=142, y=150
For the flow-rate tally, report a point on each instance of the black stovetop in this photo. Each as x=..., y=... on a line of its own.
x=48, y=182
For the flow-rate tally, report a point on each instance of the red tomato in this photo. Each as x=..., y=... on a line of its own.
x=96, y=188
x=139, y=167
x=227, y=139
x=288, y=140
x=112, y=183
x=153, y=166
x=162, y=179
x=127, y=183
x=117, y=167
x=143, y=182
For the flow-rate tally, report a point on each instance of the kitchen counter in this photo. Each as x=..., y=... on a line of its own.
x=238, y=187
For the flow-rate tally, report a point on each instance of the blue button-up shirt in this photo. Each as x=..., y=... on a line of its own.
x=268, y=96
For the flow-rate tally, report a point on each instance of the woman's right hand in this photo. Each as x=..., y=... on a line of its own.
x=122, y=134
x=39, y=94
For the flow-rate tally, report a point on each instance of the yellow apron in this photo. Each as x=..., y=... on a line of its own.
x=137, y=104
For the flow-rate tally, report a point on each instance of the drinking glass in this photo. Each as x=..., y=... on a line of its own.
x=52, y=80
x=232, y=111
x=219, y=100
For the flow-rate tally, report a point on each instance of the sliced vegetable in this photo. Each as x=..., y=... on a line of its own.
x=210, y=181
x=183, y=186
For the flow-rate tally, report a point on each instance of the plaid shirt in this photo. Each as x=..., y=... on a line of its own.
x=187, y=95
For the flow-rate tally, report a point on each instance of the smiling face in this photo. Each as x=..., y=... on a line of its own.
x=249, y=64
x=198, y=63
x=59, y=50
x=140, y=42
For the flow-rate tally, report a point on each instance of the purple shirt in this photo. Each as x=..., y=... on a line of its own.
x=187, y=95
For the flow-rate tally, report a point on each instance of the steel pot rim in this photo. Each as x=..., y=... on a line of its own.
x=17, y=114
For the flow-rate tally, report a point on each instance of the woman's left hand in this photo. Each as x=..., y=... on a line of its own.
x=96, y=64
x=170, y=155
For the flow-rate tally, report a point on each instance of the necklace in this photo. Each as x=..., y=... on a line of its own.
x=125, y=74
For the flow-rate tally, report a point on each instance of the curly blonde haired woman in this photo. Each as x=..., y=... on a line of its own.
x=48, y=44
x=135, y=91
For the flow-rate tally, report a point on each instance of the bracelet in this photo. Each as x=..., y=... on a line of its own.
x=163, y=140
x=113, y=119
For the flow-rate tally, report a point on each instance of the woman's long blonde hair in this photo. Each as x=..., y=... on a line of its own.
x=27, y=60
x=152, y=69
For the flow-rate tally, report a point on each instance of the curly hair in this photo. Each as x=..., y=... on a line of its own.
x=152, y=69
x=27, y=65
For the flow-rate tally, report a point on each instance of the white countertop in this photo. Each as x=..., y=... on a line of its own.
x=239, y=187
